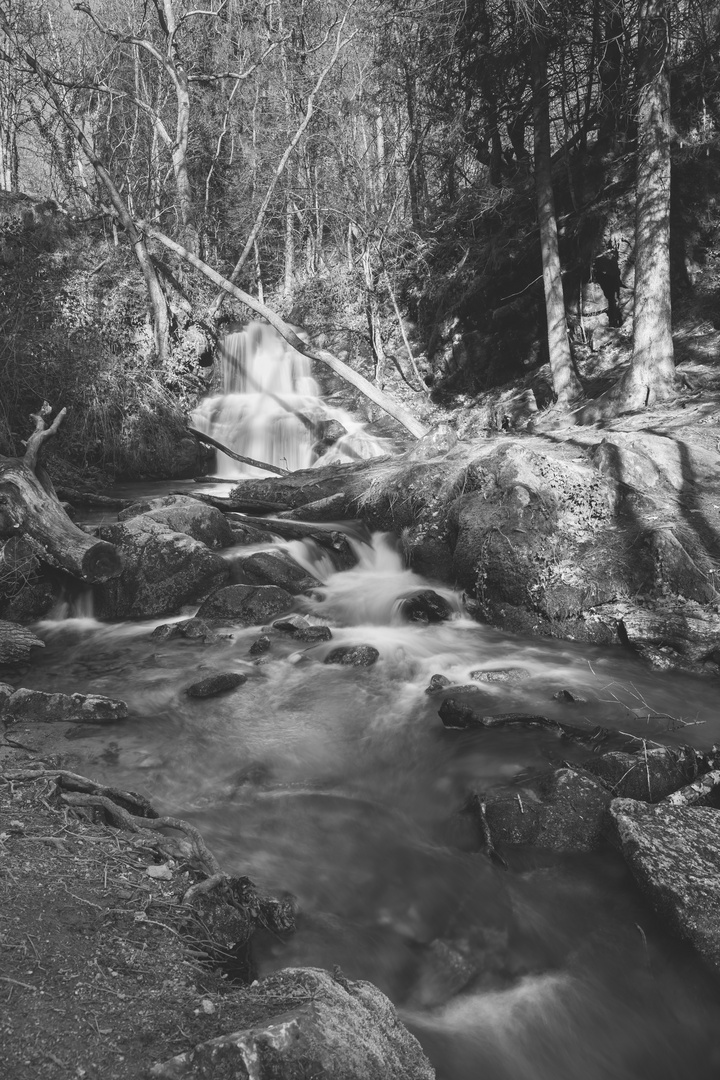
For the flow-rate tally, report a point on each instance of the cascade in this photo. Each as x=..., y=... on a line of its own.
x=270, y=408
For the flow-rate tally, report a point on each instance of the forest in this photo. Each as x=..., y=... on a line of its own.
x=387, y=747
x=438, y=192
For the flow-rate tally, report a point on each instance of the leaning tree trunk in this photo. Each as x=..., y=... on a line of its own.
x=30, y=507
x=651, y=375
x=565, y=382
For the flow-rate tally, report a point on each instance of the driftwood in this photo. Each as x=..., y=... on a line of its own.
x=235, y=505
x=456, y=714
x=696, y=792
x=203, y=437
x=29, y=506
x=16, y=642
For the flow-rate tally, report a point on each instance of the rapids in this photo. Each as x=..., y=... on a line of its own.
x=339, y=785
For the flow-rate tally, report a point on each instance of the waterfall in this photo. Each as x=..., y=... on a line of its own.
x=270, y=409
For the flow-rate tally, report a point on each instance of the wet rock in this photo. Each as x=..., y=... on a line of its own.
x=246, y=604
x=301, y=629
x=649, y=774
x=260, y=646
x=425, y=606
x=563, y=810
x=272, y=568
x=500, y=675
x=249, y=534
x=437, y=683
x=568, y=696
x=313, y=1024
x=329, y=431
x=216, y=684
x=162, y=570
x=36, y=706
x=444, y=972
x=190, y=629
x=674, y=855
x=330, y=541
x=6, y=692
x=355, y=655
x=183, y=514
x=459, y=714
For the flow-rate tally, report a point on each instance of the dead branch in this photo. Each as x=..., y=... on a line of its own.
x=203, y=437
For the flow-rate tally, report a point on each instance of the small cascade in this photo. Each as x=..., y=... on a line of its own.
x=271, y=409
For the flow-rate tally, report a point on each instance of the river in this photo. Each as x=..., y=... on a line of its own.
x=340, y=785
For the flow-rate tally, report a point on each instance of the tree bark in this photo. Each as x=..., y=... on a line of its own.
x=16, y=641
x=28, y=506
x=565, y=382
x=651, y=375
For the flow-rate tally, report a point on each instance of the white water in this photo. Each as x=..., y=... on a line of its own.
x=270, y=408
x=340, y=785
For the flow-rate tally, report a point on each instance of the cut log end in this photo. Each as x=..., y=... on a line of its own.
x=101, y=562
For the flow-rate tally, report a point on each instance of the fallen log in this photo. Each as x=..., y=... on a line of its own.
x=29, y=506
x=393, y=408
x=231, y=505
x=16, y=641
x=203, y=437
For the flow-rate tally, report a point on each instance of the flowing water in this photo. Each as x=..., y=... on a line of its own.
x=270, y=409
x=340, y=785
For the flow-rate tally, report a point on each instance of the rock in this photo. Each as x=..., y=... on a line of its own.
x=162, y=570
x=568, y=696
x=190, y=629
x=272, y=568
x=248, y=605
x=16, y=641
x=649, y=774
x=563, y=810
x=356, y=655
x=313, y=1025
x=249, y=534
x=444, y=972
x=36, y=706
x=216, y=684
x=313, y=634
x=492, y=675
x=262, y=645
x=425, y=606
x=329, y=431
x=6, y=692
x=674, y=855
x=301, y=629
x=437, y=683
x=183, y=514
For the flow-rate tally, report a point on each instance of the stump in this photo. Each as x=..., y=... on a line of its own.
x=30, y=506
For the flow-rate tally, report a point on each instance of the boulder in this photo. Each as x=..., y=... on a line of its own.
x=189, y=629
x=500, y=675
x=262, y=645
x=162, y=570
x=426, y=606
x=249, y=534
x=183, y=514
x=563, y=810
x=272, y=568
x=649, y=774
x=248, y=605
x=301, y=629
x=355, y=655
x=34, y=705
x=437, y=684
x=313, y=1024
x=674, y=855
x=216, y=684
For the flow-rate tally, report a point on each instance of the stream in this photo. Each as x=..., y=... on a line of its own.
x=340, y=786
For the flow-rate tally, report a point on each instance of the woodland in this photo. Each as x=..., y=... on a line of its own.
x=493, y=226
x=441, y=194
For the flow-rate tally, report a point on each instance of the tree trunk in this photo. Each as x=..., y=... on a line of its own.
x=651, y=375
x=16, y=641
x=29, y=506
x=565, y=382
